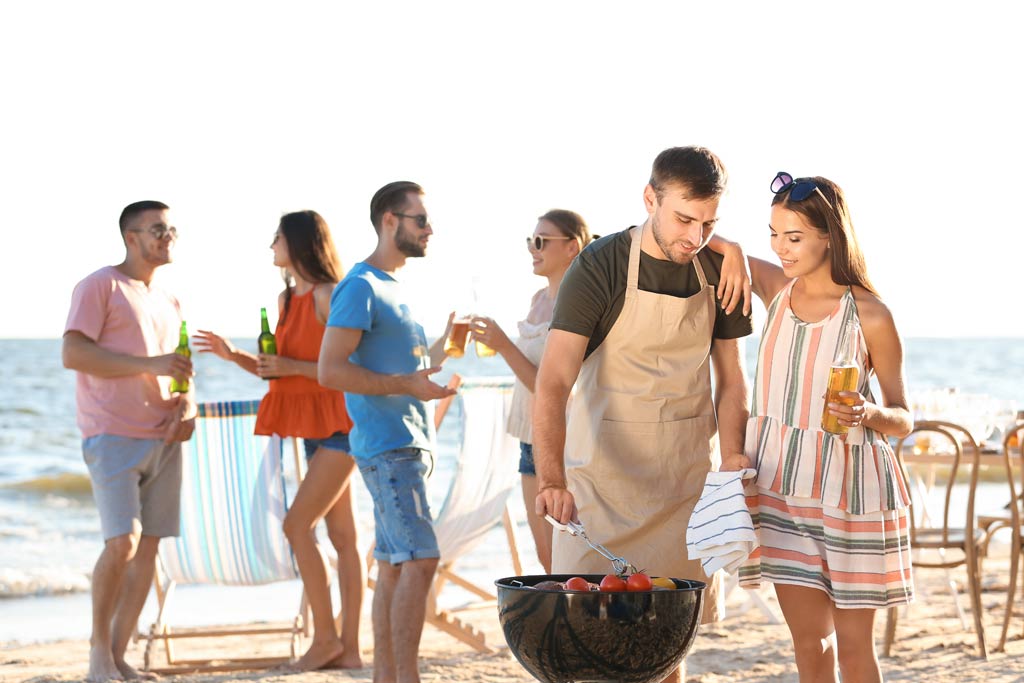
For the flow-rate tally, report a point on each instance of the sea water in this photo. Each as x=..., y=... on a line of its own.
x=50, y=533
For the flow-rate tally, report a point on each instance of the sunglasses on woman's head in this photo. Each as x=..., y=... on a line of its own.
x=798, y=190
x=538, y=242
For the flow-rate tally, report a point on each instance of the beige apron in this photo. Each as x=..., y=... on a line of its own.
x=642, y=434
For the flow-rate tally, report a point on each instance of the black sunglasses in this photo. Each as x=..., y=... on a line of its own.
x=801, y=189
x=538, y=241
x=421, y=218
x=798, y=191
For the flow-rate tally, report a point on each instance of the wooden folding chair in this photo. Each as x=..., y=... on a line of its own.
x=1012, y=519
x=952, y=544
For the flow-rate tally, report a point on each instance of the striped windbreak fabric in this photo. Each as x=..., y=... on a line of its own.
x=233, y=503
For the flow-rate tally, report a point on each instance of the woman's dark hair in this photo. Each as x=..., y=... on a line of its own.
x=827, y=211
x=311, y=251
x=570, y=224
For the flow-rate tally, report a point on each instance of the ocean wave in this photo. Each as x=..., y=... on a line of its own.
x=16, y=583
x=22, y=410
x=68, y=483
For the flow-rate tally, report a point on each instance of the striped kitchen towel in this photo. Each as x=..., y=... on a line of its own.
x=720, y=533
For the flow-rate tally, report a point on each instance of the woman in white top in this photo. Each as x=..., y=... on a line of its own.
x=559, y=237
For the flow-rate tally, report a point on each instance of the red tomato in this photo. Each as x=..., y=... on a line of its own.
x=639, y=582
x=577, y=583
x=612, y=584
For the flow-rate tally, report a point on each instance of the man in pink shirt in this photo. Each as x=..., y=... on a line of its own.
x=120, y=338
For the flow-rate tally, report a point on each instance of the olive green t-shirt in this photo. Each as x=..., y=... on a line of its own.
x=593, y=290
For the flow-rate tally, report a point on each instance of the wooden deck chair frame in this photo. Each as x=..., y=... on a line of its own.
x=161, y=631
x=451, y=621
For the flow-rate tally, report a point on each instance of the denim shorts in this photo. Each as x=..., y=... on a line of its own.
x=526, y=465
x=401, y=513
x=338, y=441
x=136, y=483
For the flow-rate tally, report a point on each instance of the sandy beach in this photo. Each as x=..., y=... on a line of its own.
x=931, y=646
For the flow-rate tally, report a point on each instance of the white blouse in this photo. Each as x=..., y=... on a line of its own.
x=532, y=336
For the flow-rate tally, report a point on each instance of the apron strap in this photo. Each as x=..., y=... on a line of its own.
x=700, y=271
x=633, y=274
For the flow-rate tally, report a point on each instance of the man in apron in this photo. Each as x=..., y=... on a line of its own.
x=636, y=328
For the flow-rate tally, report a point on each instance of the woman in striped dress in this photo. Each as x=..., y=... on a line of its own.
x=831, y=510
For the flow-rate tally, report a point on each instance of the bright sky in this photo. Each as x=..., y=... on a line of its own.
x=234, y=113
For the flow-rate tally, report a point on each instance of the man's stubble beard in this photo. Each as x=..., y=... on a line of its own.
x=152, y=257
x=659, y=239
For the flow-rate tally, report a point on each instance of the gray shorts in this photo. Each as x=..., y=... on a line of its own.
x=135, y=481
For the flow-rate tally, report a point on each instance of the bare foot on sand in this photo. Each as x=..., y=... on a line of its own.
x=317, y=657
x=346, y=661
x=101, y=666
x=130, y=673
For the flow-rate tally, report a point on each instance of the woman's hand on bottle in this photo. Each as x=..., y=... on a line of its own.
x=851, y=409
x=269, y=366
x=206, y=341
x=486, y=331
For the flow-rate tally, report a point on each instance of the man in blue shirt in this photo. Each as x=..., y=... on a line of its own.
x=376, y=353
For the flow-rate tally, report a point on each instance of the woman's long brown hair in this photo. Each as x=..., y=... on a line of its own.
x=826, y=210
x=311, y=251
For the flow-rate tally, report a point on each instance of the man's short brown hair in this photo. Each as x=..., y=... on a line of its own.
x=392, y=197
x=696, y=169
x=132, y=211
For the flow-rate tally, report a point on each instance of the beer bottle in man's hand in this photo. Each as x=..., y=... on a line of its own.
x=181, y=386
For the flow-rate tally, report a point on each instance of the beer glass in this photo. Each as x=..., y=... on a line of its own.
x=455, y=344
x=483, y=350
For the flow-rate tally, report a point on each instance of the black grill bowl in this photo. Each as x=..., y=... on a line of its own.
x=572, y=637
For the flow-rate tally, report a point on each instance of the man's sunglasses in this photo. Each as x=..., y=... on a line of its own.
x=159, y=232
x=421, y=218
x=798, y=190
x=537, y=242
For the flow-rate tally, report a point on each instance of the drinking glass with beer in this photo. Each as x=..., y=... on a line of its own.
x=489, y=338
x=455, y=344
x=842, y=376
x=482, y=349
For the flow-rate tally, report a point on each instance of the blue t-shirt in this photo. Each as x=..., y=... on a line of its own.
x=393, y=343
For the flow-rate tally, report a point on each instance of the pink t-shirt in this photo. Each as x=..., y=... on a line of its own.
x=124, y=315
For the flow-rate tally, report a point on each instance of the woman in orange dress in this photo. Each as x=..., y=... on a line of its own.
x=297, y=406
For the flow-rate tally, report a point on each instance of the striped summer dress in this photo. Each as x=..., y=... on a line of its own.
x=830, y=511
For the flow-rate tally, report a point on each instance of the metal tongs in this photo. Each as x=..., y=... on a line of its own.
x=619, y=564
